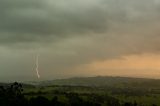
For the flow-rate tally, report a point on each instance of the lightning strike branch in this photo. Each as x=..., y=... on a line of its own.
x=37, y=66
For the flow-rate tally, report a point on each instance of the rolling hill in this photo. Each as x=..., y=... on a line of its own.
x=104, y=81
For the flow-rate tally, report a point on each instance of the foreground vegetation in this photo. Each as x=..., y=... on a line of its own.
x=13, y=96
x=121, y=92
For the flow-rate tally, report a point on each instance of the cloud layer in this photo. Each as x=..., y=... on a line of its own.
x=70, y=33
x=32, y=20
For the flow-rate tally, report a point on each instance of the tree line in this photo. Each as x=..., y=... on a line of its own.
x=13, y=96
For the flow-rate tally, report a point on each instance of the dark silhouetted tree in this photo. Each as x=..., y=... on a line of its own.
x=12, y=95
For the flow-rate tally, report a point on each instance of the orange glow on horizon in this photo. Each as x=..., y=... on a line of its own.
x=145, y=61
x=144, y=65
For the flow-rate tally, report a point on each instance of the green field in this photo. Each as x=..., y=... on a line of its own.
x=143, y=92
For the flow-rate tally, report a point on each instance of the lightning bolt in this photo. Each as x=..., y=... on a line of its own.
x=37, y=66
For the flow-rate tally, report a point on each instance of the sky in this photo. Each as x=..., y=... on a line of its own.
x=79, y=38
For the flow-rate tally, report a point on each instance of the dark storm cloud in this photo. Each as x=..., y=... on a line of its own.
x=38, y=21
x=32, y=20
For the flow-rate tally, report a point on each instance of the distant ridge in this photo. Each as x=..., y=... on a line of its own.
x=103, y=81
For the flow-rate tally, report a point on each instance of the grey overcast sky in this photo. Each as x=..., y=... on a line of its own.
x=79, y=38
